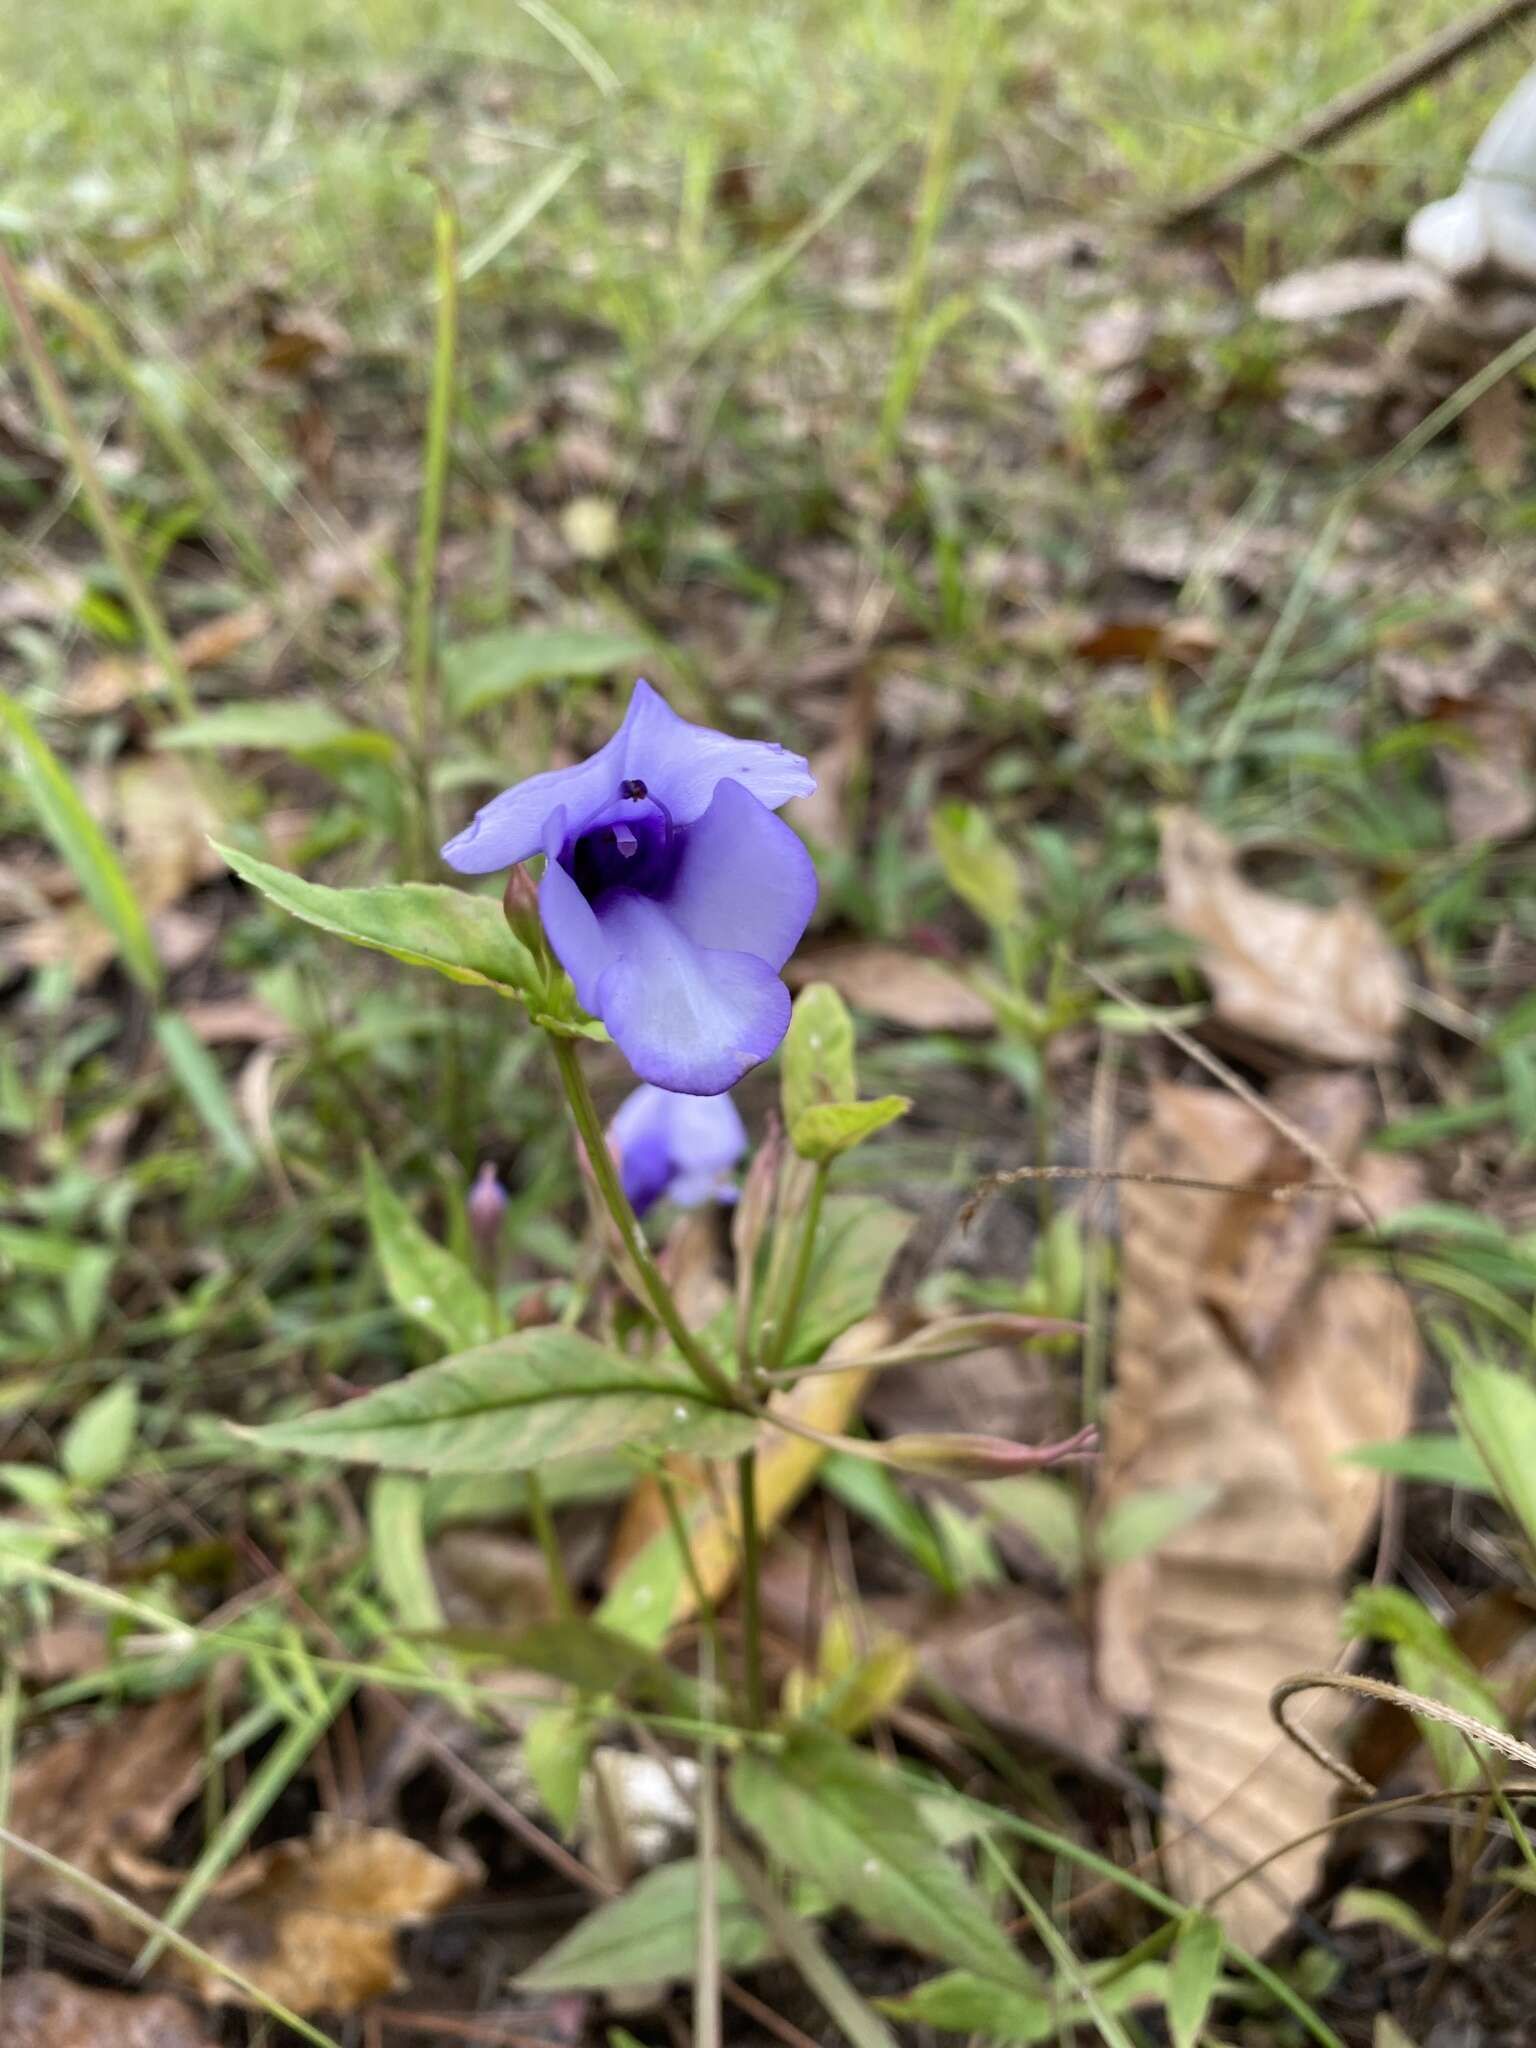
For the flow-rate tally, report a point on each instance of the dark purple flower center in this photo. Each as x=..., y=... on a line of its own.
x=639, y=849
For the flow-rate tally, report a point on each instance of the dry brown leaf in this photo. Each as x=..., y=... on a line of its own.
x=41, y=2010
x=1198, y=1634
x=67, y=1650
x=301, y=341
x=1484, y=698
x=100, y=1798
x=899, y=987
x=487, y=1579
x=1387, y=1183
x=1324, y=983
x=1261, y=1257
x=1496, y=432
x=116, y=679
x=1016, y=1659
x=998, y=1390
x=786, y=1466
x=1185, y=642
x=237, y=1020
x=1490, y=772
x=313, y=1923
x=1346, y=1374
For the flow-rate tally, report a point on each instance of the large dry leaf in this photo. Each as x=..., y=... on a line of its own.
x=102, y=1797
x=1484, y=699
x=1257, y=1400
x=1346, y=1375
x=41, y=2010
x=1229, y=1607
x=313, y=1923
x=1324, y=983
x=1261, y=1256
x=1490, y=780
x=896, y=986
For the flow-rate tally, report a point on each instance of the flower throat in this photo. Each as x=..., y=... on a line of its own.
x=638, y=850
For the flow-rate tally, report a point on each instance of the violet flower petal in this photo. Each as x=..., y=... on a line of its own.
x=571, y=925
x=682, y=763
x=689, y=1018
x=745, y=883
x=510, y=827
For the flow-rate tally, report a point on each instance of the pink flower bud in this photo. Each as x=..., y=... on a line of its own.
x=486, y=1206
x=981, y=1457
x=520, y=904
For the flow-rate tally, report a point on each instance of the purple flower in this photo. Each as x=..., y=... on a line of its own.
x=675, y=1146
x=671, y=894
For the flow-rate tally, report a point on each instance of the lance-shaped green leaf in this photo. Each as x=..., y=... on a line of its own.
x=650, y=1933
x=857, y=1241
x=97, y=1445
x=1193, y=1975
x=462, y=936
x=586, y=1655
x=1497, y=1411
x=285, y=726
x=977, y=866
x=489, y=666
x=829, y=1128
x=512, y=1405
x=425, y=1280
x=839, y=1817
x=962, y=2003
x=818, y=1053
x=557, y=1743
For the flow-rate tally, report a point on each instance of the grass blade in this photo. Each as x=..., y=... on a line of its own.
x=81, y=842
x=198, y=1076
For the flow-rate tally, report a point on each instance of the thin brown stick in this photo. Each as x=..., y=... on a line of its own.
x=1348, y=109
x=1218, y=1068
x=1396, y=1696
x=453, y=2028
x=1284, y=1191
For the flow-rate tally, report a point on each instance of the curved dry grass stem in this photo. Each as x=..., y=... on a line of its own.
x=1397, y=1696
x=1283, y=1191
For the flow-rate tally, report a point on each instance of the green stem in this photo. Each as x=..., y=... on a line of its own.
x=751, y=1588
x=708, y=1620
x=549, y=1543
x=55, y=402
x=433, y=484
x=616, y=1202
x=804, y=1253
x=539, y=1516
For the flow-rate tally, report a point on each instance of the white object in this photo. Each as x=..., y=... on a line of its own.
x=1486, y=231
